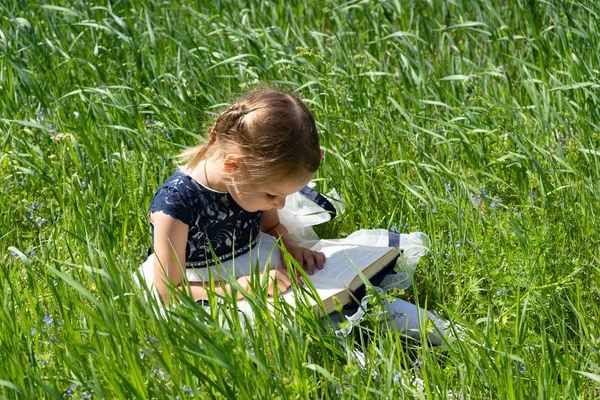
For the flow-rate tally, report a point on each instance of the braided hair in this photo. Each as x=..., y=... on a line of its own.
x=274, y=130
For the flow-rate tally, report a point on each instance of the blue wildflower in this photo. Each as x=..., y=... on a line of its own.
x=477, y=199
x=83, y=185
x=159, y=373
x=70, y=389
x=32, y=252
x=405, y=225
x=461, y=213
x=505, y=291
x=483, y=191
x=48, y=319
x=448, y=186
x=498, y=292
x=522, y=369
x=142, y=355
x=593, y=350
x=396, y=377
x=13, y=254
x=86, y=395
x=33, y=331
x=152, y=339
x=433, y=210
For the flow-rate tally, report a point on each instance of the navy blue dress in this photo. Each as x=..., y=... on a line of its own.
x=215, y=220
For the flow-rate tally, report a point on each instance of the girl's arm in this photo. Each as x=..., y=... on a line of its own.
x=309, y=259
x=170, y=240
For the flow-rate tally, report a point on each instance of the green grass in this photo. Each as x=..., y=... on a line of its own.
x=476, y=122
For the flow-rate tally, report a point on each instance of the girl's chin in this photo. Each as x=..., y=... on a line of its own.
x=251, y=209
x=255, y=209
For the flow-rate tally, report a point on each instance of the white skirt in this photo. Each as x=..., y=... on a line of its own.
x=264, y=253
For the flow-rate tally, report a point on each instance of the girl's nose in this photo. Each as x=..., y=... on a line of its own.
x=280, y=202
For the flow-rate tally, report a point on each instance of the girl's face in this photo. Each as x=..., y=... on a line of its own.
x=252, y=197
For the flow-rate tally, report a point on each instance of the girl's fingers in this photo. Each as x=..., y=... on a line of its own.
x=319, y=259
x=284, y=277
x=281, y=274
x=309, y=261
x=280, y=278
x=282, y=286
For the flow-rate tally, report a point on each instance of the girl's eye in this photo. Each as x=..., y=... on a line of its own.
x=271, y=196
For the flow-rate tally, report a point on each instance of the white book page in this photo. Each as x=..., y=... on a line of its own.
x=341, y=266
x=343, y=261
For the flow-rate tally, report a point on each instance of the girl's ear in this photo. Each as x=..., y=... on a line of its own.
x=232, y=163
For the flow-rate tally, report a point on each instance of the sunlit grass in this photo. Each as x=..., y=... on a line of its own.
x=475, y=122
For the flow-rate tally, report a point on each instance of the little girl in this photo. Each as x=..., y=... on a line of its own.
x=223, y=204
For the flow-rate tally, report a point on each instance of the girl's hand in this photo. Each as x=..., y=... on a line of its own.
x=276, y=277
x=279, y=278
x=244, y=282
x=307, y=258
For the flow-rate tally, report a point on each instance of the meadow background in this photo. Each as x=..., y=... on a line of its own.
x=476, y=122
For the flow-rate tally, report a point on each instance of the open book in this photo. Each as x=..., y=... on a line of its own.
x=340, y=274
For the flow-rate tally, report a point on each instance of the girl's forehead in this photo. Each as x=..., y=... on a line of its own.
x=289, y=185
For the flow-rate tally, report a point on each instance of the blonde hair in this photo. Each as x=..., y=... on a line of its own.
x=275, y=131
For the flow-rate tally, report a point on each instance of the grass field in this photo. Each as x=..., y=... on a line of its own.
x=476, y=122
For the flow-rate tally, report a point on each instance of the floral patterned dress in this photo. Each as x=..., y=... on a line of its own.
x=216, y=222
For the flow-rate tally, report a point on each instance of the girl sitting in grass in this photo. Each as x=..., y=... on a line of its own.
x=225, y=200
x=219, y=213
